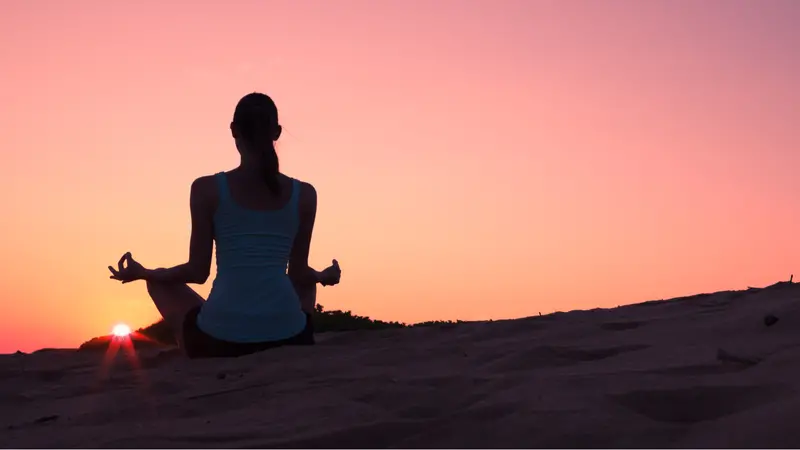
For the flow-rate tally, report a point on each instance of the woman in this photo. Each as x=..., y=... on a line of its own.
x=261, y=221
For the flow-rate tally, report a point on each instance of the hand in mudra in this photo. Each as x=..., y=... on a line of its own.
x=331, y=275
x=126, y=273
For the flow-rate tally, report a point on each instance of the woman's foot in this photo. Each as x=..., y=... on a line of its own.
x=331, y=275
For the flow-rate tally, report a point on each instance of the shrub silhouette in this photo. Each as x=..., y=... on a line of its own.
x=324, y=321
x=346, y=321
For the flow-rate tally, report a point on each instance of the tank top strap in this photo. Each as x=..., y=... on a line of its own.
x=222, y=187
x=295, y=200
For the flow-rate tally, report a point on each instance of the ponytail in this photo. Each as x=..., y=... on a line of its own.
x=256, y=121
x=271, y=168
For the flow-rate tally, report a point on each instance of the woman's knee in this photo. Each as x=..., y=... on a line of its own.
x=308, y=297
x=160, y=287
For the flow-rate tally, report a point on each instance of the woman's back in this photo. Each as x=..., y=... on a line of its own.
x=252, y=298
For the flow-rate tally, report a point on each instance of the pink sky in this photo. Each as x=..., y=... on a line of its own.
x=474, y=159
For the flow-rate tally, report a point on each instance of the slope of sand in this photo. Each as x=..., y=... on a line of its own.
x=702, y=371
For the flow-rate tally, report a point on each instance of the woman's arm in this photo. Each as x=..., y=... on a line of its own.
x=201, y=245
x=299, y=272
x=323, y=277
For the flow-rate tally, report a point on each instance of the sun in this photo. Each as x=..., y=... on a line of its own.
x=121, y=330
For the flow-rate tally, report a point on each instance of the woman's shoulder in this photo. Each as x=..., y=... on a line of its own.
x=307, y=194
x=306, y=188
x=205, y=187
x=205, y=183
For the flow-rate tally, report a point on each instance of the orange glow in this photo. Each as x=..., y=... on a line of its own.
x=473, y=159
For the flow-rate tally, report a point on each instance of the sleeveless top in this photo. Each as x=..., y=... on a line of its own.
x=252, y=298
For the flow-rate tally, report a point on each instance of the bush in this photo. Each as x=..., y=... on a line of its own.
x=324, y=321
x=346, y=321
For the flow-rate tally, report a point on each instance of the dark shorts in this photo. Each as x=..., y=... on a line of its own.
x=198, y=344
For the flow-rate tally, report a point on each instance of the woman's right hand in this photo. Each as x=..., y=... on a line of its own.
x=126, y=273
x=331, y=275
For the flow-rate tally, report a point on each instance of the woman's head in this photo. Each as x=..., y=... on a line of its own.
x=255, y=128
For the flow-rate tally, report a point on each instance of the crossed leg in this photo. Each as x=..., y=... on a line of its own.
x=174, y=301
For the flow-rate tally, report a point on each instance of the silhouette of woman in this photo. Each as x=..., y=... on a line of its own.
x=261, y=221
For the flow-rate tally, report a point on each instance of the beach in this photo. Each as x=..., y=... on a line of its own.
x=711, y=370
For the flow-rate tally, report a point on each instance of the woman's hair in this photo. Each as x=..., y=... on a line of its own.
x=256, y=121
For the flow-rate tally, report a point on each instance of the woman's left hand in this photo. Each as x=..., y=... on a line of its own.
x=132, y=272
x=331, y=275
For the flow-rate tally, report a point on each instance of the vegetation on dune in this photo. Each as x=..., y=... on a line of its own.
x=324, y=321
x=337, y=320
x=102, y=342
x=346, y=321
x=327, y=321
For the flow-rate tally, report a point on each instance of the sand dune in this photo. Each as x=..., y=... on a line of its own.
x=702, y=371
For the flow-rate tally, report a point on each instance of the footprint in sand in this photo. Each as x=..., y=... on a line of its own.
x=547, y=356
x=50, y=376
x=621, y=326
x=699, y=403
x=699, y=370
x=161, y=358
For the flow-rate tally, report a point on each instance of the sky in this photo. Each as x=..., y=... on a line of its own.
x=474, y=159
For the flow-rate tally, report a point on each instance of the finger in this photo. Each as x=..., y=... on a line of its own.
x=113, y=272
x=120, y=264
x=127, y=258
x=336, y=263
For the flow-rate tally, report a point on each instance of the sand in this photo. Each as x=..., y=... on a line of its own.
x=702, y=371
